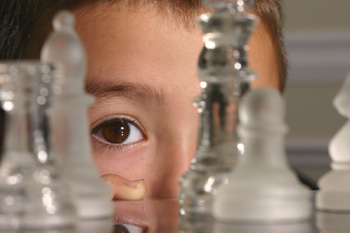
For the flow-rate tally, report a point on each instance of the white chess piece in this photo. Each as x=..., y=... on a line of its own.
x=330, y=222
x=71, y=135
x=290, y=227
x=334, y=193
x=262, y=187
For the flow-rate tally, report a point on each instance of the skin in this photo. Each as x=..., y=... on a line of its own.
x=143, y=65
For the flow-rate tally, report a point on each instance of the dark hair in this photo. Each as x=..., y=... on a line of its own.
x=24, y=24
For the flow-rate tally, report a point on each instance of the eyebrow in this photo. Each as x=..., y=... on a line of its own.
x=133, y=91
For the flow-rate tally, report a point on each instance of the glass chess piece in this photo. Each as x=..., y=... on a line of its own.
x=196, y=225
x=292, y=227
x=262, y=187
x=70, y=119
x=334, y=193
x=225, y=76
x=33, y=195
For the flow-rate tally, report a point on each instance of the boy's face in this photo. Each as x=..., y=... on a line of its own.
x=143, y=73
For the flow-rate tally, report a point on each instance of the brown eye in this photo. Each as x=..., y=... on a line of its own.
x=116, y=132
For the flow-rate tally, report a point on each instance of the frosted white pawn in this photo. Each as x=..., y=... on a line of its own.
x=262, y=187
x=334, y=193
x=71, y=137
x=290, y=227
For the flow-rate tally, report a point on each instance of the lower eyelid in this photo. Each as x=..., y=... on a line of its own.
x=99, y=145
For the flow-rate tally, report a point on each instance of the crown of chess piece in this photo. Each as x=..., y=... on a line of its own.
x=334, y=193
x=262, y=187
x=225, y=75
x=70, y=121
x=33, y=192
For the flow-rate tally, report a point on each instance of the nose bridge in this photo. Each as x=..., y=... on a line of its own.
x=173, y=158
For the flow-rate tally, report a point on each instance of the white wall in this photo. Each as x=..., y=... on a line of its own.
x=317, y=15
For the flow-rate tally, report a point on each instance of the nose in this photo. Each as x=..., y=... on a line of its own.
x=173, y=159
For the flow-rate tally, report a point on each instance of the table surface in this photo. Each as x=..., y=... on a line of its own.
x=161, y=216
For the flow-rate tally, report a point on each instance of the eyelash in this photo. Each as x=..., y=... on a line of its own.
x=110, y=147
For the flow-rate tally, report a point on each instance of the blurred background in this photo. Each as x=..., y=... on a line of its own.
x=318, y=42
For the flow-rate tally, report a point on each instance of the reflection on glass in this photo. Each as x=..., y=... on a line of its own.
x=160, y=216
x=151, y=216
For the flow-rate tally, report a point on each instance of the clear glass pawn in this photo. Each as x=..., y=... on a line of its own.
x=33, y=195
x=72, y=137
x=225, y=75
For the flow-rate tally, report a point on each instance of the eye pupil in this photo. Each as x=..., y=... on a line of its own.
x=116, y=132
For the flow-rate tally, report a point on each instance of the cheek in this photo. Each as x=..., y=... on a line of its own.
x=173, y=151
x=125, y=164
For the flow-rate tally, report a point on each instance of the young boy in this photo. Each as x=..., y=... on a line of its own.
x=142, y=57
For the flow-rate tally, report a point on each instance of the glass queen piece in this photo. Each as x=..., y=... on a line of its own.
x=225, y=76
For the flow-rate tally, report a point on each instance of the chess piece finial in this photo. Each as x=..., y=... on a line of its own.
x=341, y=100
x=70, y=119
x=225, y=75
x=334, y=193
x=262, y=188
x=64, y=48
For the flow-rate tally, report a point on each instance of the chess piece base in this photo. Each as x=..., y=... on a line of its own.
x=334, y=194
x=197, y=193
x=265, y=196
x=94, y=208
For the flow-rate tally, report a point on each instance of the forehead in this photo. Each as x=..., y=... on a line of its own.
x=137, y=45
x=144, y=45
